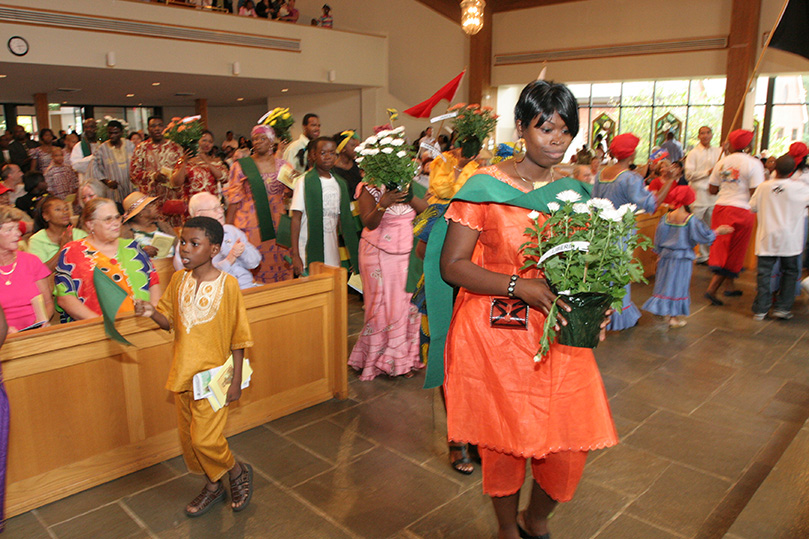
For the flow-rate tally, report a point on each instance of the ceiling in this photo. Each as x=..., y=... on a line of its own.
x=110, y=86
x=452, y=8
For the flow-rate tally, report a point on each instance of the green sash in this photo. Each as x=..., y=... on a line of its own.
x=85, y=147
x=260, y=198
x=415, y=267
x=313, y=198
x=480, y=188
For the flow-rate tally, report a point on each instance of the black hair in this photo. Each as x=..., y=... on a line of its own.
x=308, y=116
x=154, y=117
x=670, y=135
x=31, y=180
x=46, y=130
x=115, y=123
x=470, y=146
x=542, y=99
x=211, y=227
x=39, y=214
x=133, y=133
x=785, y=165
x=206, y=132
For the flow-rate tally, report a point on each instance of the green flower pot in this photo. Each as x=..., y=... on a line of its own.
x=584, y=319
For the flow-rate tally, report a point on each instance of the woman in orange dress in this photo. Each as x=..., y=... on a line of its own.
x=551, y=412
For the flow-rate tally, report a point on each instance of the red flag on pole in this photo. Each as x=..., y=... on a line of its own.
x=448, y=91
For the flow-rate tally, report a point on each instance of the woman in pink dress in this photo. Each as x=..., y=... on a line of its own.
x=389, y=342
x=243, y=212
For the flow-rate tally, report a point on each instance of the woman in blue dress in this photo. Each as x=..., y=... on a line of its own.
x=676, y=236
x=620, y=186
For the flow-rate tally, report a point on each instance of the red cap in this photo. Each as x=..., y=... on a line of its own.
x=680, y=195
x=623, y=146
x=798, y=151
x=740, y=138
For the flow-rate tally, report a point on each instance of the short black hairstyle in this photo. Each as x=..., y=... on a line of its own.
x=308, y=116
x=31, y=180
x=785, y=165
x=46, y=130
x=670, y=135
x=312, y=146
x=154, y=117
x=542, y=99
x=115, y=123
x=213, y=229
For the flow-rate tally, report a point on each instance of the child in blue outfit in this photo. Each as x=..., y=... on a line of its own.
x=676, y=236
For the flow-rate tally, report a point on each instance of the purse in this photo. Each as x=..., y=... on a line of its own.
x=509, y=313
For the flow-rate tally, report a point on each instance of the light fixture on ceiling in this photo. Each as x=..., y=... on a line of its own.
x=239, y=99
x=130, y=95
x=472, y=16
x=3, y=76
x=284, y=90
x=155, y=84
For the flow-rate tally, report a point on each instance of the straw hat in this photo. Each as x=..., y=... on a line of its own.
x=134, y=204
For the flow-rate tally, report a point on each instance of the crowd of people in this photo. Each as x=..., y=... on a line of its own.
x=277, y=10
x=254, y=211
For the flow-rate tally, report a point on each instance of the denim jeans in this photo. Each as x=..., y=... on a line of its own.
x=790, y=266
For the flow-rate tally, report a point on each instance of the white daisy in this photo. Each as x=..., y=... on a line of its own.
x=372, y=151
x=569, y=196
x=386, y=140
x=581, y=207
x=371, y=140
x=533, y=215
x=397, y=142
x=553, y=206
x=626, y=208
x=383, y=134
x=401, y=153
x=612, y=215
x=600, y=204
x=398, y=130
x=359, y=159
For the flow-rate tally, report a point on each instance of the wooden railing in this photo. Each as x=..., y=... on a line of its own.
x=86, y=410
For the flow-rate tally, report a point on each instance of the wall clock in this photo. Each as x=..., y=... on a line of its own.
x=18, y=46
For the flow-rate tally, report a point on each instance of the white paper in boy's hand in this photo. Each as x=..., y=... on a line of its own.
x=202, y=379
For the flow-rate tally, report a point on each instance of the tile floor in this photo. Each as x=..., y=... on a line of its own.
x=704, y=413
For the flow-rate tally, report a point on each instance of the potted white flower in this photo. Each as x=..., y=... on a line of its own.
x=586, y=251
x=386, y=160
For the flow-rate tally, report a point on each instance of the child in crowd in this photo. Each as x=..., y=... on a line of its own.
x=781, y=206
x=326, y=20
x=320, y=211
x=676, y=236
x=205, y=308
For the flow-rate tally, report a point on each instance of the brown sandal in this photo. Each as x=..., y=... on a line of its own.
x=241, y=488
x=205, y=500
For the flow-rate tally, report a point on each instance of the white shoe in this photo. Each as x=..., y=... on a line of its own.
x=759, y=316
x=805, y=285
x=783, y=315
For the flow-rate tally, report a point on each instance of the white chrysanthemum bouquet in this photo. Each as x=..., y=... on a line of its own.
x=386, y=160
x=586, y=251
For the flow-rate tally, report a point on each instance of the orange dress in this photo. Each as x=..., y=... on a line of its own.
x=497, y=396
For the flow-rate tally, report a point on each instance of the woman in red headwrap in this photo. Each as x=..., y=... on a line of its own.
x=734, y=178
x=621, y=186
x=677, y=235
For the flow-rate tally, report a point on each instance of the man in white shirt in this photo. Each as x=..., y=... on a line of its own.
x=81, y=158
x=734, y=178
x=698, y=167
x=295, y=153
x=229, y=141
x=781, y=206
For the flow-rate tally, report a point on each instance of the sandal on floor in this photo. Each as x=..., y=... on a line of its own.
x=456, y=464
x=241, y=488
x=206, y=499
x=525, y=535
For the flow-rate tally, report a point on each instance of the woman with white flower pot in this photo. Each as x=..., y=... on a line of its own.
x=551, y=412
x=620, y=185
x=389, y=342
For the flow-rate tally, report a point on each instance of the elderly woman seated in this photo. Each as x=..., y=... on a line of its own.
x=142, y=223
x=121, y=260
x=238, y=256
x=25, y=293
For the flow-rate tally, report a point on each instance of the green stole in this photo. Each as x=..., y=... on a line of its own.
x=415, y=268
x=260, y=198
x=480, y=188
x=313, y=199
x=85, y=147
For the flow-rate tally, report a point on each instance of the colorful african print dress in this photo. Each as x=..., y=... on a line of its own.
x=131, y=269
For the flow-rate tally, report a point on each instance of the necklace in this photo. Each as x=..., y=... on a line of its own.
x=534, y=185
x=8, y=280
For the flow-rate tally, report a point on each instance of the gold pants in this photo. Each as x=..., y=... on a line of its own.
x=205, y=449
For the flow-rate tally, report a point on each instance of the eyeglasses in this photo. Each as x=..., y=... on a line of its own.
x=110, y=219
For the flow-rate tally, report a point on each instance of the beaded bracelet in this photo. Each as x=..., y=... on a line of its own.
x=511, y=285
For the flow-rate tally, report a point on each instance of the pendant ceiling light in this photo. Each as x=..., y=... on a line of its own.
x=472, y=16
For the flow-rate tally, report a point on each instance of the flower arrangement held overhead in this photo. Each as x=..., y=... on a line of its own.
x=281, y=121
x=186, y=132
x=386, y=160
x=101, y=132
x=586, y=251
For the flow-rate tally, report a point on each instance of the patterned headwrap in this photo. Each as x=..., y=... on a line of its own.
x=345, y=136
x=264, y=130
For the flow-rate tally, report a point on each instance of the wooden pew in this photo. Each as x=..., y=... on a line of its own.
x=86, y=410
